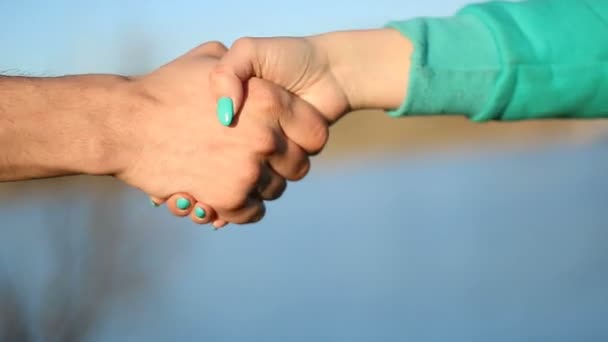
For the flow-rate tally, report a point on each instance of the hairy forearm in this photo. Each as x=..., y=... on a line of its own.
x=60, y=126
x=372, y=65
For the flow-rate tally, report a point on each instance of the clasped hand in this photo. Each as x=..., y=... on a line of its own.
x=283, y=94
x=207, y=171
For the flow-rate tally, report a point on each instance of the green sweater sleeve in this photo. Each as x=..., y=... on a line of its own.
x=510, y=61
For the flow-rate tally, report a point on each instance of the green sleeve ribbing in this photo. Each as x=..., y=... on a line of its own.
x=510, y=61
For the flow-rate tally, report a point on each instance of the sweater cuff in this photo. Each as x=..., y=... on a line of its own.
x=454, y=68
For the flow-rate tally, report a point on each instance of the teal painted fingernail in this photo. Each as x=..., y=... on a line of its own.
x=154, y=204
x=225, y=111
x=200, y=212
x=182, y=203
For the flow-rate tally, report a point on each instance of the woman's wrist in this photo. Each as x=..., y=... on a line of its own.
x=371, y=66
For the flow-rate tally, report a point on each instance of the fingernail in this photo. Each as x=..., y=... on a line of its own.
x=200, y=212
x=225, y=111
x=182, y=203
x=154, y=204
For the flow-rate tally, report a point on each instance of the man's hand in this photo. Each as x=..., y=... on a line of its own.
x=159, y=133
x=180, y=148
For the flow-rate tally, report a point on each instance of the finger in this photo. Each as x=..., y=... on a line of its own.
x=272, y=186
x=157, y=201
x=305, y=125
x=202, y=214
x=290, y=162
x=209, y=49
x=226, y=79
x=219, y=224
x=180, y=204
x=253, y=211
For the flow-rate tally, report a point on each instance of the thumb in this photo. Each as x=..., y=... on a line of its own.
x=227, y=78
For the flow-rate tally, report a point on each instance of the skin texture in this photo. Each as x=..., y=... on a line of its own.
x=284, y=159
x=159, y=133
x=334, y=72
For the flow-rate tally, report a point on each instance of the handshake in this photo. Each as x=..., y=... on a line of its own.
x=217, y=132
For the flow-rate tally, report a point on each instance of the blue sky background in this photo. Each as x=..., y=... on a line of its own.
x=70, y=36
x=493, y=247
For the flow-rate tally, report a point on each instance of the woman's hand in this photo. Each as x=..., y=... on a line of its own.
x=335, y=72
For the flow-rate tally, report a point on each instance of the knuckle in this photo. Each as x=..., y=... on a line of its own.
x=258, y=215
x=320, y=136
x=270, y=103
x=232, y=202
x=268, y=99
x=302, y=170
x=219, y=70
x=265, y=142
x=279, y=191
x=242, y=219
x=214, y=46
x=250, y=175
x=281, y=99
x=251, y=215
x=245, y=44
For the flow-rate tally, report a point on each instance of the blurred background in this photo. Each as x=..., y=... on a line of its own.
x=415, y=229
